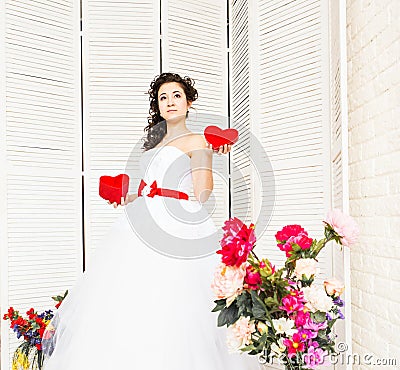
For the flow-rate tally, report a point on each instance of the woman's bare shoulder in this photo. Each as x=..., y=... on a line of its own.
x=196, y=144
x=197, y=141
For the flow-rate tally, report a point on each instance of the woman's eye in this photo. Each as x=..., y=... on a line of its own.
x=177, y=96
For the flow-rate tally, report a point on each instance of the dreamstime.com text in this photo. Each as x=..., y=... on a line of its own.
x=340, y=358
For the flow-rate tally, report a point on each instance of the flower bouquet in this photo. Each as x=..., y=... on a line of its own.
x=29, y=354
x=280, y=314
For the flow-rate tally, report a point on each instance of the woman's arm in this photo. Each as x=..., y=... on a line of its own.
x=201, y=164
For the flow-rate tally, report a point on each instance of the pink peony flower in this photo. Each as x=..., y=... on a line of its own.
x=228, y=282
x=302, y=240
x=344, y=225
x=287, y=232
x=237, y=242
x=292, y=234
x=239, y=334
x=252, y=279
x=333, y=287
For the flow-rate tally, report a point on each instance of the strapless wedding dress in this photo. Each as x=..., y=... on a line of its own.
x=145, y=301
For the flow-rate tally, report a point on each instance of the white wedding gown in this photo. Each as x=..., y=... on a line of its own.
x=145, y=301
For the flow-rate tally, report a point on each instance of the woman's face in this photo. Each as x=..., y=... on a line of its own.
x=172, y=101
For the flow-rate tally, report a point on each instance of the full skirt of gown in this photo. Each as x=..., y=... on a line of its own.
x=138, y=309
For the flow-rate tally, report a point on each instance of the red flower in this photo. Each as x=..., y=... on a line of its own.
x=292, y=234
x=252, y=279
x=294, y=345
x=31, y=314
x=287, y=232
x=58, y=304
x=41, y=331
x=237, y=242
x=39, y=321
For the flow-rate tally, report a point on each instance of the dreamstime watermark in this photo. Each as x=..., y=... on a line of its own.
x=186, y=229
x=341, y=357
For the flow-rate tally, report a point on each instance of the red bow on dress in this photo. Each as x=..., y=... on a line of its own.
x=154, y=190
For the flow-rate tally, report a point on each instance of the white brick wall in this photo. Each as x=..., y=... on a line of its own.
x=373, y=41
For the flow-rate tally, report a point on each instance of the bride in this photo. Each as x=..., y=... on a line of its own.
x=145, y=302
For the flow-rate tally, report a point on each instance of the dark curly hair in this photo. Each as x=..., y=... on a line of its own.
x=157, y=126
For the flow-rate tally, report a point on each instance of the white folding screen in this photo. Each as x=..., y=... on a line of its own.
x=339, y=152
x=294, y=115
x=240, y=104
x=121, y=56
x=40, y=130
x=194, y=43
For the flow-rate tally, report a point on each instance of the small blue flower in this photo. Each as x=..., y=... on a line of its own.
x=329, y=317
x=338, y=302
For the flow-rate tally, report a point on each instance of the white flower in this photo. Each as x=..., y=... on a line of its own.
x=334, y=287
x=316, y=298
x=305, y=266
x=284, y=326
x=277, y=349
x=239, y=334
x=228, y=282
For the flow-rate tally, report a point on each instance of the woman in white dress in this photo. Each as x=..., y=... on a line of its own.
x=145, y=301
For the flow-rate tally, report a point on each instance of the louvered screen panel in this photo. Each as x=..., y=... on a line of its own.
x=339, y=154
x=241, y=187
x=195, y=44
x=121, y=58
x=41, y=172
x=294, y=116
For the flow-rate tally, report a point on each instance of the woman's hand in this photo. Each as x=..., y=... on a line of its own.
x=223, y=149
x=128, y=199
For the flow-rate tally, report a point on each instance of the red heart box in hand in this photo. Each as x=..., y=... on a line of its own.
x=113, y=188
x=217, y=136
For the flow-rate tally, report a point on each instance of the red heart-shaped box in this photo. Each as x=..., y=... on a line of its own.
x=217, y=136
x=113, y=188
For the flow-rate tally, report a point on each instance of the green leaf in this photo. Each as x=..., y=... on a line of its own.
x=243, y=302
x=318, y=316
x=259, y=308
x=221, y=303
x=228, y=315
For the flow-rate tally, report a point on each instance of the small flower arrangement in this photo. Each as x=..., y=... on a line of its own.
x=29, y=354
x=280, y=314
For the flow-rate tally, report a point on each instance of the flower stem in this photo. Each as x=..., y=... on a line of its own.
x=252, y=252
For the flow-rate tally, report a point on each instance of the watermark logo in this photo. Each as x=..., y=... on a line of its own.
x=341, y=357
